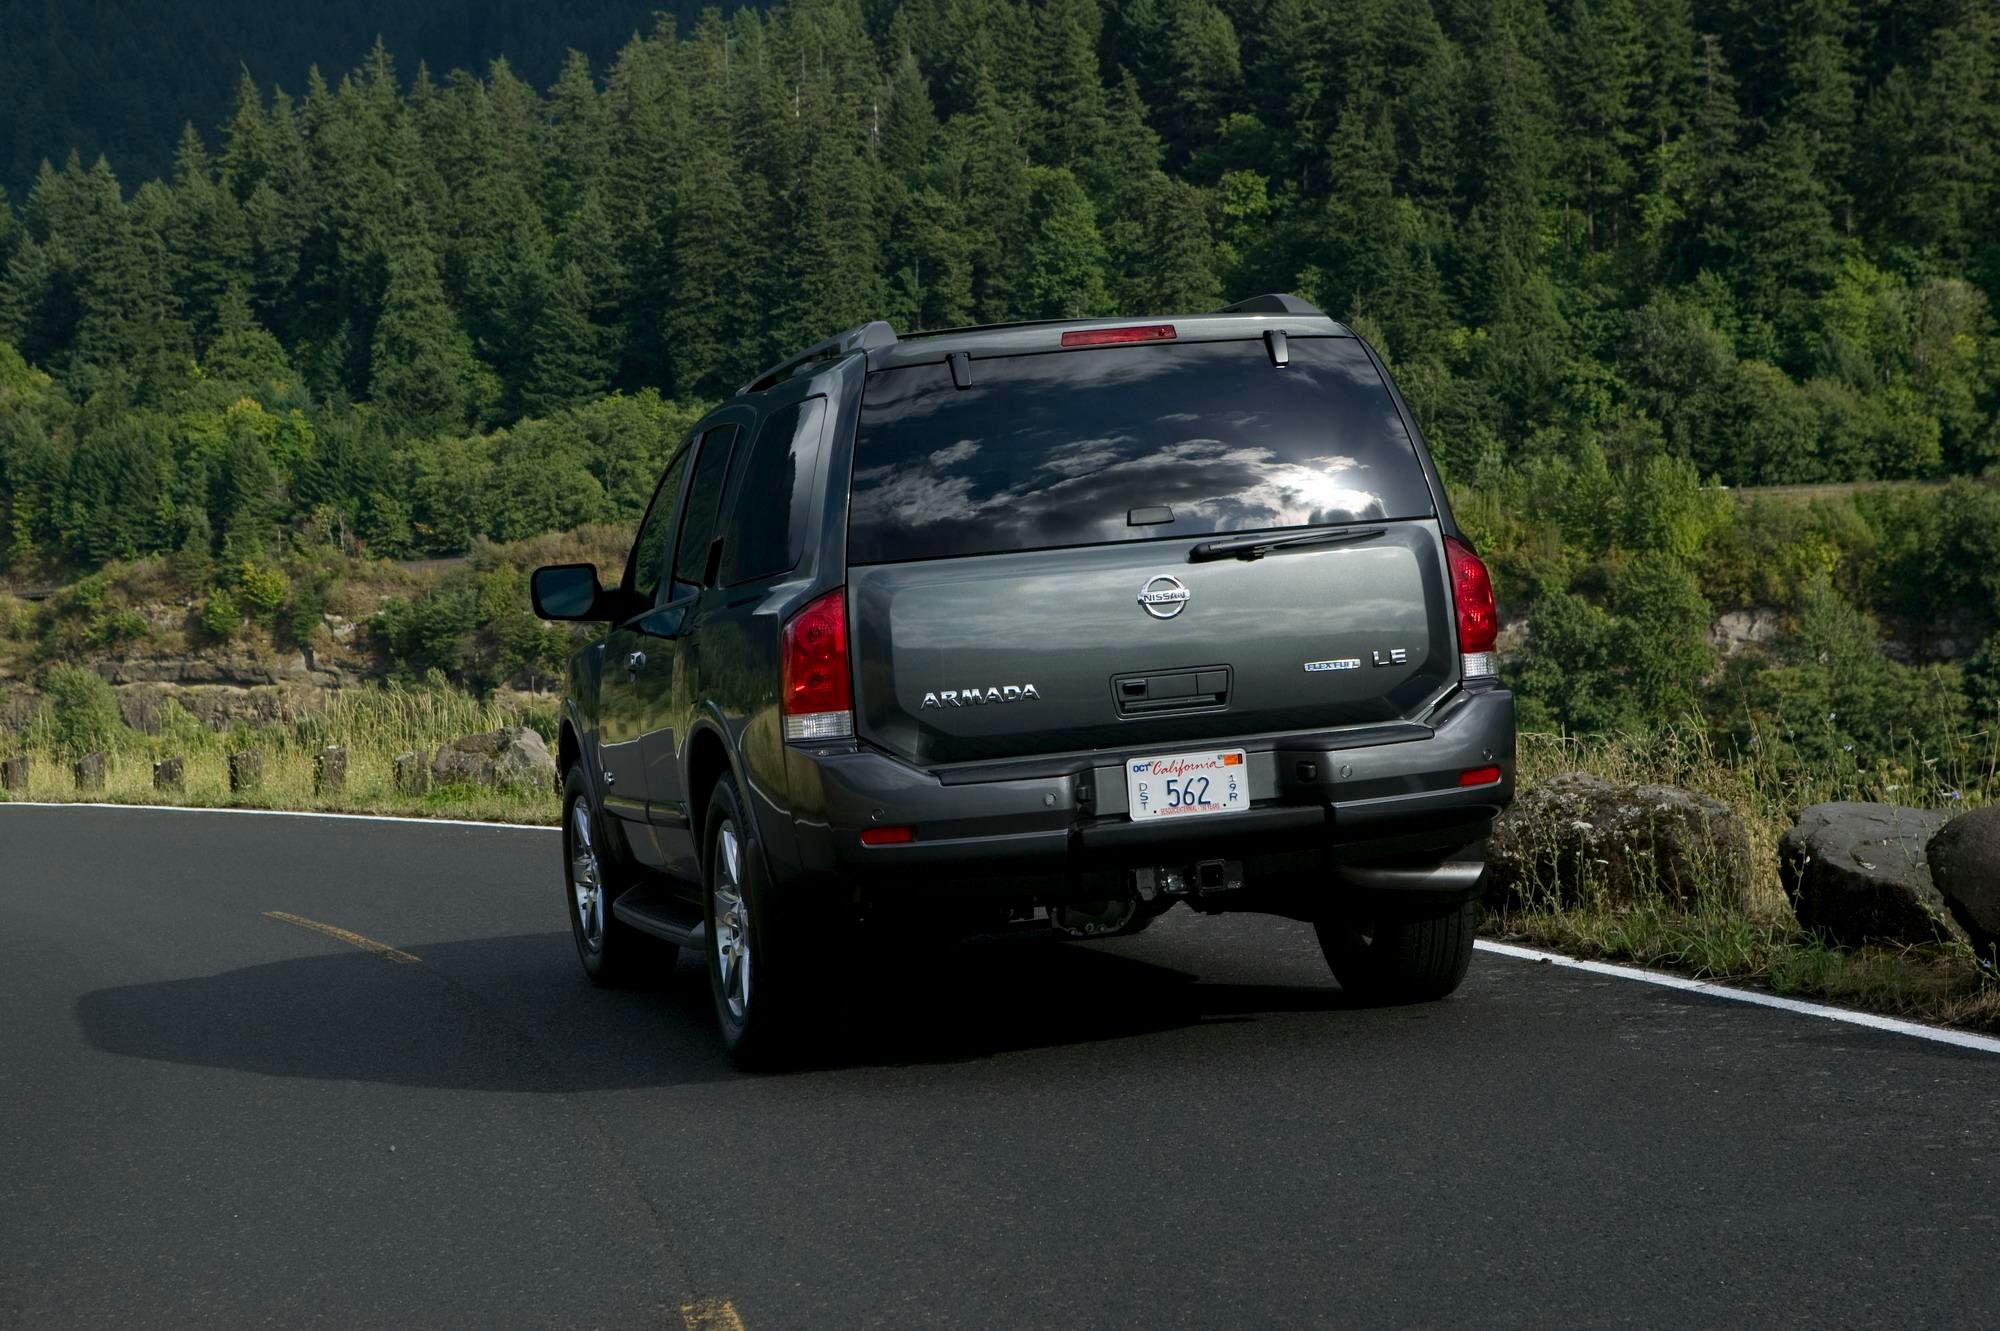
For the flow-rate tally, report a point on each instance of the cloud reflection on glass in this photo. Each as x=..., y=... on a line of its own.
x=1057, y=449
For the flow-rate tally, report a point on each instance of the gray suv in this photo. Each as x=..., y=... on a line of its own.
x=1041, y=625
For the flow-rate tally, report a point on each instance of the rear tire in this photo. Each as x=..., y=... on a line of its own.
x=757, y=958
x=1400, y=957
x=612, y=953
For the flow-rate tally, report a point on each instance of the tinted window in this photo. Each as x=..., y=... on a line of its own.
x=767, y=517
x=649, y=551
x=1064, y=448
x=704, y=497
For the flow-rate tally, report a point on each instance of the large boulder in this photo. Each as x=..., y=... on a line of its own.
x=1964, y=860
x=1856, y=873
x=514, y=758
x=1576, y=837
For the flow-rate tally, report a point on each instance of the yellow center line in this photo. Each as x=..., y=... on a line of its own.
x=711, y=1315
x=382, y=950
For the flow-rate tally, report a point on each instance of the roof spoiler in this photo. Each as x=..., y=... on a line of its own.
x=866, y=337
x=1275, y=302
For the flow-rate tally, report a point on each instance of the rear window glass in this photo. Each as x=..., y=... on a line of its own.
x=1073, y=448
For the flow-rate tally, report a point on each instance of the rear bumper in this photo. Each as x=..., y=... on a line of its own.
x=1325, y=817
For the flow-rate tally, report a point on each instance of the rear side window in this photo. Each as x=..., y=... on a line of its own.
x=704, y=497
x=1089, y=447
x=765, y=531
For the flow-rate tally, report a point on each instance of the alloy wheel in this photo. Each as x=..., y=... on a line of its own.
x=586, y=877
x=732, y=921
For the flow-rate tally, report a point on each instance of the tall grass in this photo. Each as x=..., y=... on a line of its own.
x=374, y=725
x=1759, y=941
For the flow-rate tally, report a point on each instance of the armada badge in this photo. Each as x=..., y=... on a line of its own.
x=978, y=697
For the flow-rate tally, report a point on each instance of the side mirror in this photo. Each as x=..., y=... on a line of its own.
x=566, y=591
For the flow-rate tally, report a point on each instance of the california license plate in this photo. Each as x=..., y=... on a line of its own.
x=1186, y=785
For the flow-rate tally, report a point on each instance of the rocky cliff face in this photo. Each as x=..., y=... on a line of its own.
x=249, y=682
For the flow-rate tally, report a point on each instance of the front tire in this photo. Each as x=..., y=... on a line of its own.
x=755, y=972
x=1400, y=957
x=612, y=953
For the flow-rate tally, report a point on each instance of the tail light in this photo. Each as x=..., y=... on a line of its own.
x=816, y=686
x=1478, y=619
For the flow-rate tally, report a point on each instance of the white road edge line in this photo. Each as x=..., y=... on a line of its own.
x=1938, y=1034
x=277, y=813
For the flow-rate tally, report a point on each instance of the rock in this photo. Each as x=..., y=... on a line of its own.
x=456, y=766
x=526, y=761
x=1733, y=630
x=513, y=758
x=1964, y=860
x=1856, y=873
x=246, y=770
x=413, y=773
x=1577, y=837
x=89, y=771
x=17, y=707
x=14, y=774
x=170, y=774
x=218, y=706
x=330, y=769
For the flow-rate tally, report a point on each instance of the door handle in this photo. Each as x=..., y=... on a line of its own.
x=635, y=661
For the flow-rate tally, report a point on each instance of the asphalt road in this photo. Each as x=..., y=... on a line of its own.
x=210, y=1116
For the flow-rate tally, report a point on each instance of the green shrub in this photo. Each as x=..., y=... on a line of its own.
x=264, y=588
x=221, y=617
x=79, y=711
x=117, y=627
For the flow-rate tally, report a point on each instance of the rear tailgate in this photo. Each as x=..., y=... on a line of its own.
x=1020, y=577
x=1051, y=651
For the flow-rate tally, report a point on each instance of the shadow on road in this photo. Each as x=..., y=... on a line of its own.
x=512, y=1014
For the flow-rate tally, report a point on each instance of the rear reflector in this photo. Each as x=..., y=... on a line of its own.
x=1479, y=776
x=888, y=836
x=1098, y=337
x=817, y=690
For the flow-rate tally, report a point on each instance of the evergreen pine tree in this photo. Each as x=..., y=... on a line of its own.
x=908, y=122
x=1952, y=175
x=995, y=185
x=569, y=361
x=1068, y=88
x=1173, y=269
x=1066, y=256
x=1600, y=58
x=247, y=157
x=579, y=140
x=423, y=368
x=707, y=320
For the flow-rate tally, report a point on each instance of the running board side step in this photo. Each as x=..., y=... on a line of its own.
x=660, y=912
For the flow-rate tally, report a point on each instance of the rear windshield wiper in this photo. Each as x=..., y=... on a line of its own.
x=1256, y=547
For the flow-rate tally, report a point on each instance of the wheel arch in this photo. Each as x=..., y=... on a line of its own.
x=709, y=757
x=569, y=749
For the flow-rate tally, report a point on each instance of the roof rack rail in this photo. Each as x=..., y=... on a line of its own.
x=865, y=337
x=1274, y=302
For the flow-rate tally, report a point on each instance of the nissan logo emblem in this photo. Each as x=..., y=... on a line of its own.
x=1164, y=596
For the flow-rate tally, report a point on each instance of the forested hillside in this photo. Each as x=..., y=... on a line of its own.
x=1617, y=251
x=119, y=77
